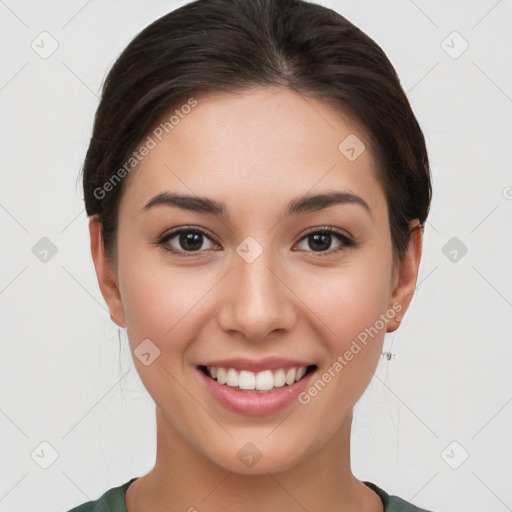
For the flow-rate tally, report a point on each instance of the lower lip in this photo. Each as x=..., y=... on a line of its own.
x=255, y=404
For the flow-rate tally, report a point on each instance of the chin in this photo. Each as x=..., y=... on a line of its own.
x=250, y=460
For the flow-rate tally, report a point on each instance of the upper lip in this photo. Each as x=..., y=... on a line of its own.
x=268, y=363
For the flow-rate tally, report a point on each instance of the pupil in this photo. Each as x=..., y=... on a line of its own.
x=190, y=239
x=321, y=238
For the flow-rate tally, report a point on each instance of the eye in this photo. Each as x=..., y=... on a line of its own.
x=188, y=240
x=321, y=239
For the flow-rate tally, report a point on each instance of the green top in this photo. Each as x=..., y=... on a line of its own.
x=113, y=501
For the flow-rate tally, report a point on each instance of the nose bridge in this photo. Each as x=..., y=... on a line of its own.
x=257, y=301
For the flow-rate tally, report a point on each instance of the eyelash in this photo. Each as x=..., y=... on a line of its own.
x=346, y=241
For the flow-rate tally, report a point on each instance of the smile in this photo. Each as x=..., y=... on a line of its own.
x=258, y=382
x=255, y=402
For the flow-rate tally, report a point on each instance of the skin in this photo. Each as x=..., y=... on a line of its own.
x=254, y=151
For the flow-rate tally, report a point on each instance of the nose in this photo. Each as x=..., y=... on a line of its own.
x=257, y=299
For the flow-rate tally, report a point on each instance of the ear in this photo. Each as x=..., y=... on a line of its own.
x=405, y=274
x=105, y=272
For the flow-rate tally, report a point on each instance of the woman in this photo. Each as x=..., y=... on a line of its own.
x=257, y=187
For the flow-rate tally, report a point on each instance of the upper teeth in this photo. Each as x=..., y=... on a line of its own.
x=261, y=381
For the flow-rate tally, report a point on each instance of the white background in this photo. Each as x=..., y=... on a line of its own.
x=66, y=381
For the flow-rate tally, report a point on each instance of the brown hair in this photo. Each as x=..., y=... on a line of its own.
x=235, y=45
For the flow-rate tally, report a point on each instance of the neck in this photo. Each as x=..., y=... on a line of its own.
x=185, y=480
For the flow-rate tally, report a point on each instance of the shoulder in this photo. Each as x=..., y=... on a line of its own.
x=394, y=503
x=112, y=500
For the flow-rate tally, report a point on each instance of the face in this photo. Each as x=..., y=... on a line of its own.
x=263, y=280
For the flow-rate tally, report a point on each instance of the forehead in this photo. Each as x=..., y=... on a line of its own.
x=266, y=143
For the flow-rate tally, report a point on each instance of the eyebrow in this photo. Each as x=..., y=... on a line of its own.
x=308, y=203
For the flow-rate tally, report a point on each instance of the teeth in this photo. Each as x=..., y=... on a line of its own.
x=232, y=378
x=279, y=378
x=221, y=374
x=290, y=376
x=264, y=380
x=261, y=381
x=300, y=373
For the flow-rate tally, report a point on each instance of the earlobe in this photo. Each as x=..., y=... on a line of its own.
x=406, y=274
x=105, y=272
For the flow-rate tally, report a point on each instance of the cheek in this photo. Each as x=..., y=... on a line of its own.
x=163, y=303
x=360, y=322
x=348, y=299
x=350, y=304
